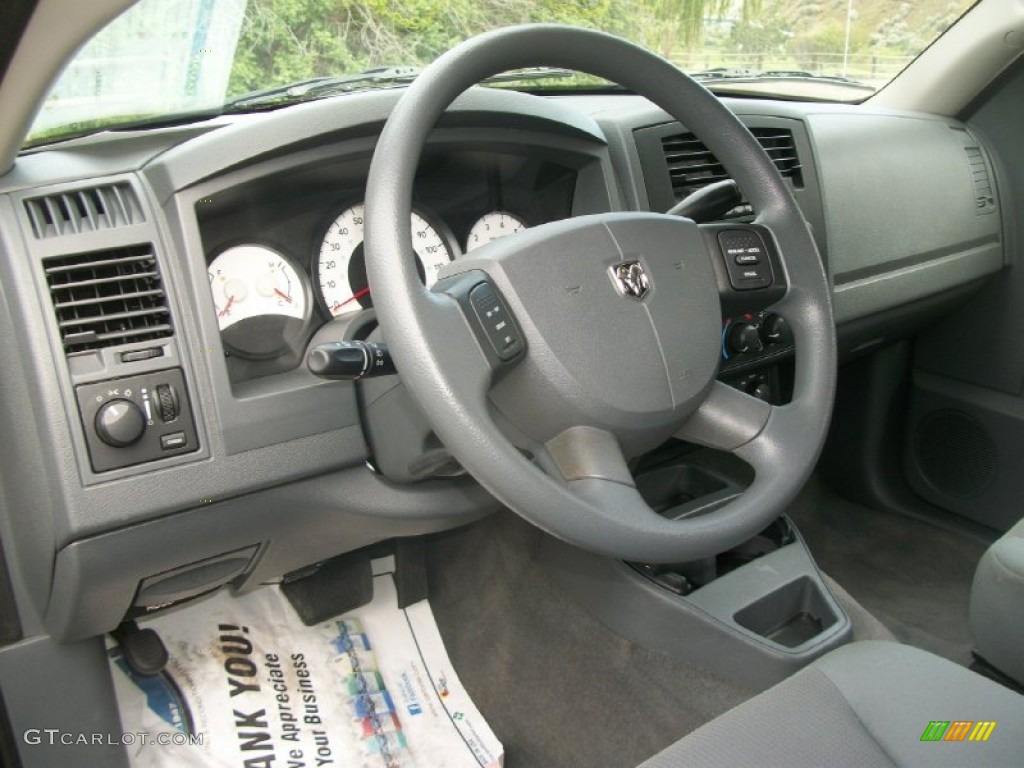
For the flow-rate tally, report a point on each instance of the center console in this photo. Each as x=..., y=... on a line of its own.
x=754, y=614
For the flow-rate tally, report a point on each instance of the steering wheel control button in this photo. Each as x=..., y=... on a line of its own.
x=173, y=441
x=350, y=360
x=123, y=419
x=493, y=316
x=746, y=259
x=120, y=423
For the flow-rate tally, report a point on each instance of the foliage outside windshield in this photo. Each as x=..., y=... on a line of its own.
x=165, y=57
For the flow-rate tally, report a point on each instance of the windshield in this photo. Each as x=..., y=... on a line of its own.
x=168, y=58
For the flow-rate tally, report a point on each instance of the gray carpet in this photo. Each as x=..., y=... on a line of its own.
x=557, y=688
x=916, y=578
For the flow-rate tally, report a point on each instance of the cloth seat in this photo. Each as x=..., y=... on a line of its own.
x=864, y=705
x=997, y=604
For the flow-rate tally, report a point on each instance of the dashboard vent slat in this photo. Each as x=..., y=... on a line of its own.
x=691, y=165
x=984, y=194
x=105, y=298
x=84, y=210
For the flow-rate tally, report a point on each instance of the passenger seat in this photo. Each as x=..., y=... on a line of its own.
x=997, y=605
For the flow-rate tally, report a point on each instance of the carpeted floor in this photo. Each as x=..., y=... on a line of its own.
x=558, y=688
x=916, y=578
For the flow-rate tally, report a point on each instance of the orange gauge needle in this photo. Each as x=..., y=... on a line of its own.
x=283, y=295
x=354, y=297
x=227, y=307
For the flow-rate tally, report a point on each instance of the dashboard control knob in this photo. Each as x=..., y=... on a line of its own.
x=167, y=402
x=744, y=337
x=774, y=329
x=120, y=423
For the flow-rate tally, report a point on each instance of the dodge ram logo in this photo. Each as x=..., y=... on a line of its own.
x=631, y=279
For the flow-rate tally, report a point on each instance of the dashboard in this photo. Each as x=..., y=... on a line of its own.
x=160, y=289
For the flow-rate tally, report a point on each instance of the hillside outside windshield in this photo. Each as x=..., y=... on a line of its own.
x=168, y=58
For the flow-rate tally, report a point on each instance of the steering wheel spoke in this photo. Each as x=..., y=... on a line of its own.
x=586, y=453
x=727, y=419
x=590, y=462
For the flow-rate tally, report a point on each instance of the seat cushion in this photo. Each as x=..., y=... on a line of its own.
x=863, y=705
x=997, y=604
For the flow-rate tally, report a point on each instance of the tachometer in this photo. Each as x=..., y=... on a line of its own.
x=492, y=226
x=259, y=298
x=341, y=264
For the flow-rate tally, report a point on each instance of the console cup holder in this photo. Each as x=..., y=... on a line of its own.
x=667, y=488
x=790, y=615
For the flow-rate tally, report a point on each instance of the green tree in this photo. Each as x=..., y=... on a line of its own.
x=287, y=40
x=759, y=37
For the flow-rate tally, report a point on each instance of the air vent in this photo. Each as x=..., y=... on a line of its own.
x=984, y=194
x=692, y=166
x=105, y=298
x=84, y=210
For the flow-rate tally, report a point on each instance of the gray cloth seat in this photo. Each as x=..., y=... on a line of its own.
x=863, y=705
x=997, y=604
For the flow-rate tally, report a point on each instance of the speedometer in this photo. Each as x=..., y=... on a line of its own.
x=341, y=263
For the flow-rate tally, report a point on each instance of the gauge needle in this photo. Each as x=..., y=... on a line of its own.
x=283, y=295
x=354, y=297
x=231, y=300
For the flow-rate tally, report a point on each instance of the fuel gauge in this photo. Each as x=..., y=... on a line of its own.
x=259, y=298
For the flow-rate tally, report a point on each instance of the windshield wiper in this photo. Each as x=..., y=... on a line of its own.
x=319, y=87
x=379, y=77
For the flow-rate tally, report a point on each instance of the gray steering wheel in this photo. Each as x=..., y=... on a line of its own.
x=545, y=409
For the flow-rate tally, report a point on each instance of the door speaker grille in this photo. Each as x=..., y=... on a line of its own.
x=955, y=454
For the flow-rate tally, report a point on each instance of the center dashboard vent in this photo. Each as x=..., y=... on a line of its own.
x=110, y=297
x=84, y=210
x=691, y=165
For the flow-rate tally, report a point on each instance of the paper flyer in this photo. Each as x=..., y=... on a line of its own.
x=249, y=686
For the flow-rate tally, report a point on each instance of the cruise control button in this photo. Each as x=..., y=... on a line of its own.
x=497, y=323
x=745, y=256
x=173, y=441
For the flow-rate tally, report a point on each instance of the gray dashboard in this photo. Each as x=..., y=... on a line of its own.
x=903, y=206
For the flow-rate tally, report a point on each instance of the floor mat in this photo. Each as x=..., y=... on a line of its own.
x=558, y=688
x=248, y=684
x=914, y=577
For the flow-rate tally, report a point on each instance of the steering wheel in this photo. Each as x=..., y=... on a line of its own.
x=544, y=360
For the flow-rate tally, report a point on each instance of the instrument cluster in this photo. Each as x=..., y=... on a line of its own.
x=285, y=255
x=262, y=300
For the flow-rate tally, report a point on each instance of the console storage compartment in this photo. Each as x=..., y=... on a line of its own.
x=790, y=615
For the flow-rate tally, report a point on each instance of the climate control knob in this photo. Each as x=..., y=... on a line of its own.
x=774, y=329
x=120, y=423
x=744, y=338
